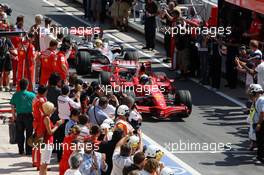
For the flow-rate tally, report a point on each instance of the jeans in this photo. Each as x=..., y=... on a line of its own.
x=24, y=122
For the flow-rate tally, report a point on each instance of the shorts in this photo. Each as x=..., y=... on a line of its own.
x=45, y=153
x=5, y=64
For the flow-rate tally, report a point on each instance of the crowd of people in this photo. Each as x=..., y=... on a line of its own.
x=202, y=54
x=97, y=132
x=97, y=10
x=90, y=131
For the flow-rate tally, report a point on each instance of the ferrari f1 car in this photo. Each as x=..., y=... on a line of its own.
x=154, y=93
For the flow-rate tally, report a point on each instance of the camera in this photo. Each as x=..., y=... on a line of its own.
x=7, y=9
x=163, y=6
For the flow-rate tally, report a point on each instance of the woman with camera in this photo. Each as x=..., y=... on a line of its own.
x=47, y=132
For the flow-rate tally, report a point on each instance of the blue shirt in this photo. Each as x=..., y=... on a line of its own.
x=85, y=167
x=97, y=115
x=259, y=108
x=69, y=125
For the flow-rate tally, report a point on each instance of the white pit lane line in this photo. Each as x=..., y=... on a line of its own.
x=169, y=154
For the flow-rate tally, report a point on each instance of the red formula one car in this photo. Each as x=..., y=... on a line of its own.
x=154, y=93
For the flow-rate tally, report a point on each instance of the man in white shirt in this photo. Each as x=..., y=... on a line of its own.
x=121, y=157
x=255, y=53
x=65, y=103
x=45, y=35
x=259, y=71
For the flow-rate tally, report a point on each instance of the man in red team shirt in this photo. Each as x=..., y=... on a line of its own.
x=60, y=64
x=47, y=59
x=26, y=67
x=38, y=113
x=255, y=28
x=16, y=41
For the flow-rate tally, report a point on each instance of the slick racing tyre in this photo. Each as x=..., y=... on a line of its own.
x=104, y=78
x=184, y=97
x=83, y=62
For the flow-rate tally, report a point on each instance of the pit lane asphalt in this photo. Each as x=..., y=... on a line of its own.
x=214, y=119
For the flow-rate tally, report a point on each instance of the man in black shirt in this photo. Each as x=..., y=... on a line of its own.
x=167, y=35
x=54, y=92
x=139, y=162
x=150, y=24
x=109, y=147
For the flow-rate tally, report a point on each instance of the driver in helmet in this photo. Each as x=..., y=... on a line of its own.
x=144, y=79
x=122, y=114
x=98, y=44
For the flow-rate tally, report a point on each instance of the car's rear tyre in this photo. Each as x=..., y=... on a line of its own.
x=83, y=63
x=184, y=97
x=104, y=78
